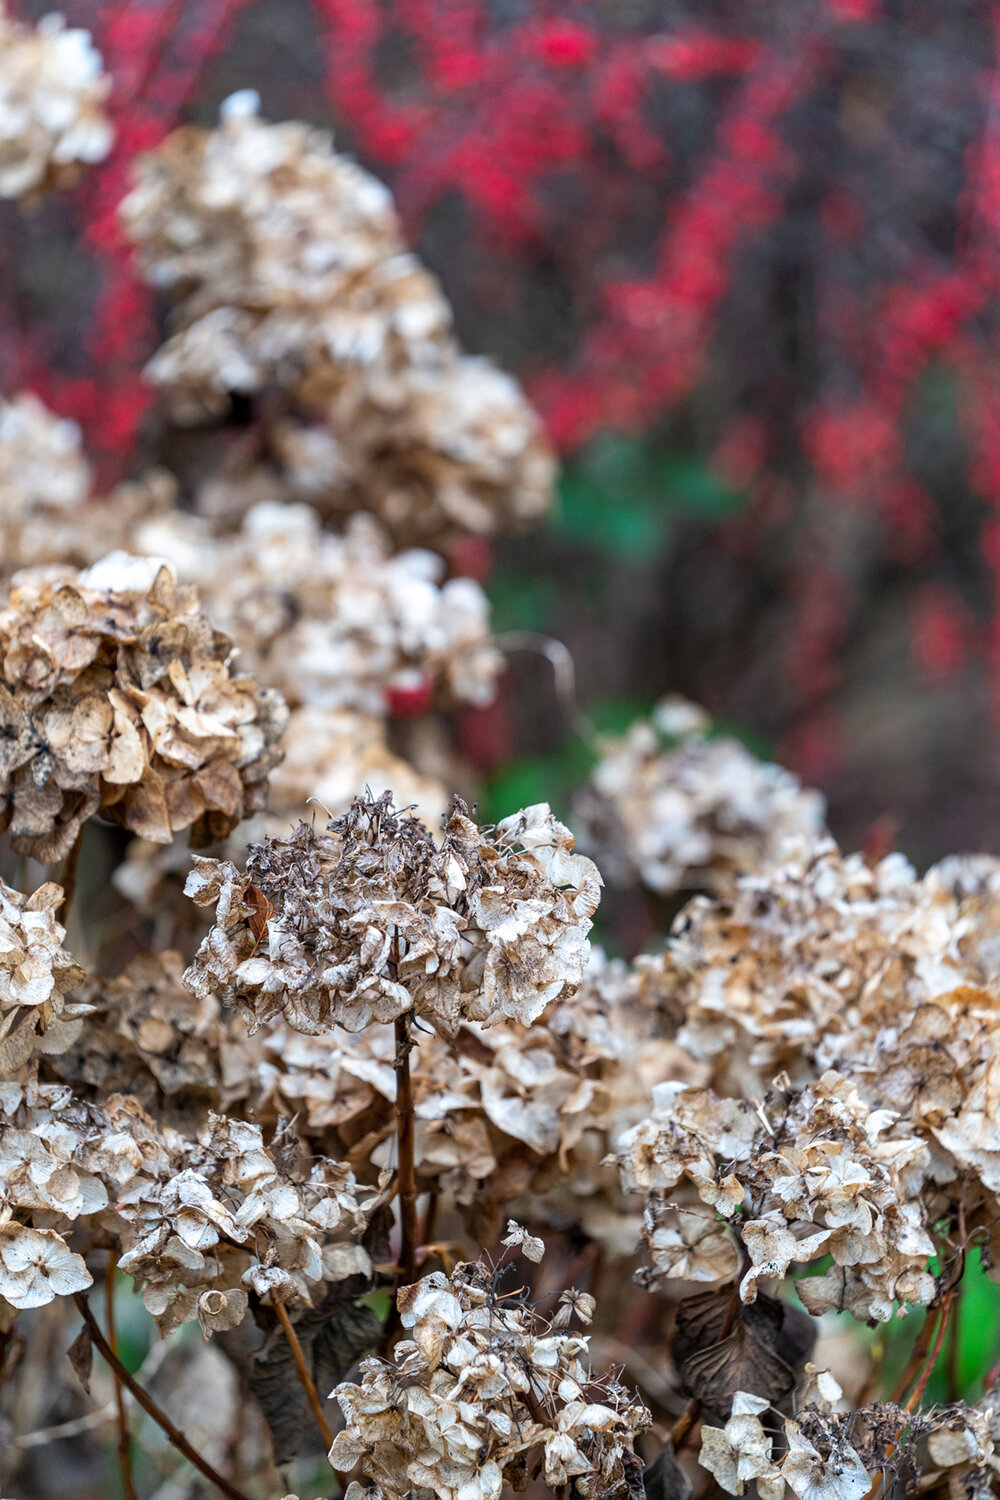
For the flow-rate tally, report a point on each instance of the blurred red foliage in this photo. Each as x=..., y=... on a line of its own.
x=781, y=218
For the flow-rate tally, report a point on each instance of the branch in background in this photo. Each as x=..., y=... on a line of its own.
x=150, y=1407
x=124, y=1441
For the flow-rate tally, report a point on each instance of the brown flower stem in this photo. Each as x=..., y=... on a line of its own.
x=149, y=1406
x=430, y=1216
x=932, y=1358
x=305, y=1379
x=68, y=877
x=405, y=1169
x=684, y=1423
x=915, y=1361
x=124, y=1440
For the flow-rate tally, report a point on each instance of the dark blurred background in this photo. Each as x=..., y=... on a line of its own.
x=745, y=259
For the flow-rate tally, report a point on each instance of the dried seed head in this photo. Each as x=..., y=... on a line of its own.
x=371, y=919
x=484, y=1393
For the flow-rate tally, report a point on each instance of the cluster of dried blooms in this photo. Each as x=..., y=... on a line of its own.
x=679, y=808
x=42, y=466
x=847, y=1016
x=201, y=1222
x=53, y=90
x=118, y=697
x=484, y=1393
x=37, y=976
x=290, y=276
x=372, y=919
x=334, y=621
x=829, y=1453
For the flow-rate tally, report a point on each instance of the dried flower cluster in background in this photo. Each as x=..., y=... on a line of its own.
x=53, y=90
x=682, y=809
x=118, y=696
x=291, y=277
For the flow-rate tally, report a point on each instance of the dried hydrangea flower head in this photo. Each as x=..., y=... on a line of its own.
x=372, y=919
x=847, y=1017
x=767, y=976
x=826, y=1452
x=203, y=1220
x=483, y=1393
x=679, y=808
x=52, y=94
x=117, y=697
x=330, y=757
x=36, y=978
x=288, y=269
x=797, y=1179
x=333, y=621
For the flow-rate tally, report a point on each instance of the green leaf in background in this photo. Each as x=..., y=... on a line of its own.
x=528, y=779
x=621, y=494
x=521, y=601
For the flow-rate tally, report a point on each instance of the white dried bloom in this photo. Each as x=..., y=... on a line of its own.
x=740, y=1452
x=53, y=91
x=37, y=976
x=820, y=1175
x=518, y=1237
x=678, y=808
x=332, y=621
x=838, y=1475
x=288, y=269
x=37, y=1265
x=117, y=697
x=372, y=919
x=484, y=1391
x=42, y=466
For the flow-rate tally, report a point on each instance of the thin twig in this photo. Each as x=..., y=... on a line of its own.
x=124, y=1441
x=305, y=1379
x=915, y=1362
x=430, y=1216
x=43, y=1436
x=405, y=1153
x=68, y=877
x=149, y=1406
x=932, y=1358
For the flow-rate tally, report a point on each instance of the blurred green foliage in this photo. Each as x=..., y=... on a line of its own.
x=623, y=494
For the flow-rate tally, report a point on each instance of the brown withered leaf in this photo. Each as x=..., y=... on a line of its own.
x=721, y=1346
x=664, y=1479
x=81, y=1357
x=333, y=1336
x=259, y=911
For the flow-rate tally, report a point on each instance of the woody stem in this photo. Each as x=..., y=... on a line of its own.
x=405, y=1153
x=124, y=1441
x=305, y=1379
x=69, y=877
